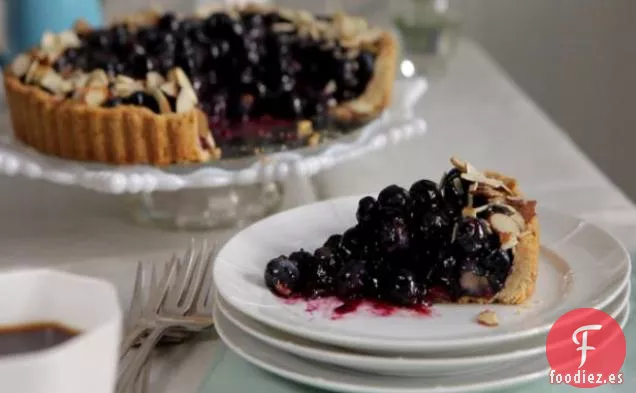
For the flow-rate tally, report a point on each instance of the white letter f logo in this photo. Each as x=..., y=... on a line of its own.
x=584, y=347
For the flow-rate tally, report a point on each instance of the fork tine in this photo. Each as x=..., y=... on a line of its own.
x=204, y=302
x=136, y=302
x=179, y=299
x=160, y=290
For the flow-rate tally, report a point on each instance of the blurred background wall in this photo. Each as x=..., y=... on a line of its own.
x=574, y=58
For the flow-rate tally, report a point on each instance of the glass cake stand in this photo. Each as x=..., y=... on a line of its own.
x=231, y=192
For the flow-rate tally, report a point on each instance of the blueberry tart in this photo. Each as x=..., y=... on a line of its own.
x=157, y=88
x=471, y=238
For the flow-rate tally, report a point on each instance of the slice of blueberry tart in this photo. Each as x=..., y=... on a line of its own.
x=157, y=88
x=472, y=238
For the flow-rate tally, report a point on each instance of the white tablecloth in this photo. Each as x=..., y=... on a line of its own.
x=474, y=112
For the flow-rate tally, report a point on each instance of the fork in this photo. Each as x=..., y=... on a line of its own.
x=186, y=305
x=141, y=384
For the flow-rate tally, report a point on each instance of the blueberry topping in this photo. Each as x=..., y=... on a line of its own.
x=403, y=289
x=454, y=189
x=394, y=198
x=426, y=196
x=394, y=234
x=282, y=276
x=334, y=241
x=351, y=281
x=367, y=210
x=472, y=234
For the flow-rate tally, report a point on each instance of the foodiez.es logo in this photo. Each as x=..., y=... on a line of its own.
x=586, y=348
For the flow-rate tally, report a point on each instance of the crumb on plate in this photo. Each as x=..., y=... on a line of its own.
x=488, y=318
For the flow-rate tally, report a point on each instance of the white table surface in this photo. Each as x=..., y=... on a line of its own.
x=474, y=112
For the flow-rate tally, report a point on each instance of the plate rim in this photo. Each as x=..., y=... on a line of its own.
x=351, y=388
x=474, y=361
x=416, y=345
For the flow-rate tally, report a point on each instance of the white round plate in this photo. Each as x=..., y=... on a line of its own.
x=398, y=124
x=341, y=380
x=580, y=265
x=495, y=359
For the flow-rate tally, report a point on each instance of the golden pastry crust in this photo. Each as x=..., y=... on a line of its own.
x=120, y=135
x=521, y=282
x=135, y=135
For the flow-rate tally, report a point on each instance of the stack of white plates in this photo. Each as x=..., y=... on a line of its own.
x=580, y=266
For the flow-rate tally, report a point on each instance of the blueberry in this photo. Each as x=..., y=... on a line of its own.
x=472, y=234
x=99, y=39
x=497, y=264
x=351, y=281
x=425, y=195
x=367, y=210
x=333, y=242
x=353, y=241
x=366, y=61
x=120, y=35
x=148, y=36
x=454, y=189
x=168, y=22
x=393, y=234
x=142, y=99
x=282, y=276
x=403, y=290
x=473, y=278
x=394, y=198
x=328, y=258
x=433, y=227
x=319, y=282
x=112, y=102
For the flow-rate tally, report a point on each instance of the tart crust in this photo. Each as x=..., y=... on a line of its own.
x=521, y=281
x=135, y=135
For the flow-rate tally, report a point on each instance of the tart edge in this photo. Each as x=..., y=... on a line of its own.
x=135, y=135
x=521, y=282
x=120, y=135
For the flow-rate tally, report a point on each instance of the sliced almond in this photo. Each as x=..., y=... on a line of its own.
x=478, y=177
x=35, y=73
x=488, y=318
x=186, y=100
x=154, y=79
x=69, y=39
x=178, y=76
x=169, y=88
x=95, y=96
x=305, y=16
x=82, y=26
x=79, y=80
x=370, y=36
x=287, y=13
x=283, y=27
x=361, y=107
x=352, y=54
x=314, y=139
x=52, y=81
x=459, y=164
x=504, y=224
x=507, y=241
x=350, y=42
x=97, y=78
x=304, y=128
x=330, y=87
x=49, y=41
x=125, y=86
x=164, y=105
x=20, y=66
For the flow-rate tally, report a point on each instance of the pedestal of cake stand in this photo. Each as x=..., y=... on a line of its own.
x=206, y=208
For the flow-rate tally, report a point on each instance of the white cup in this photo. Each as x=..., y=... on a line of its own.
x=87, y=363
